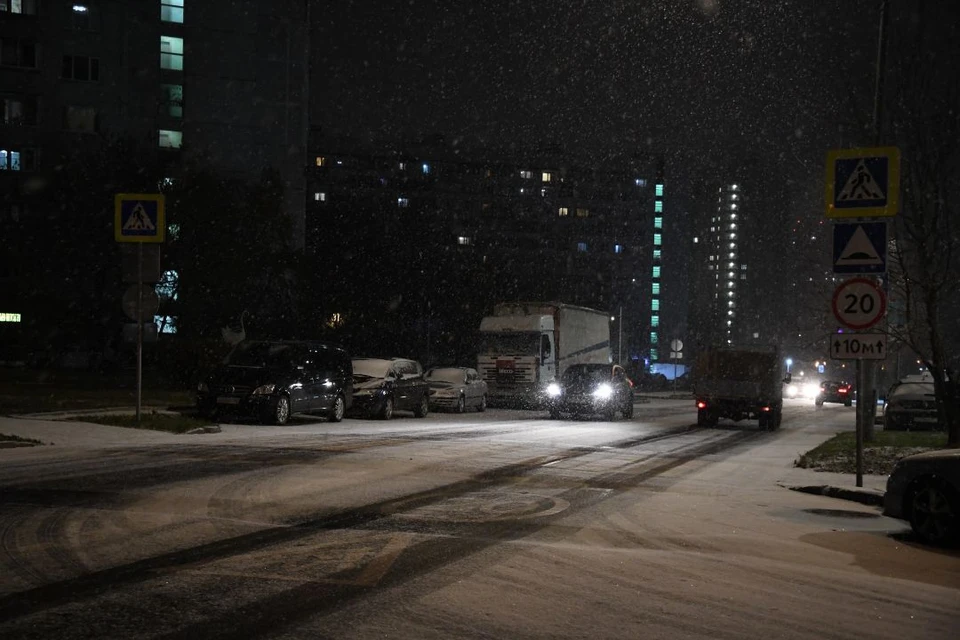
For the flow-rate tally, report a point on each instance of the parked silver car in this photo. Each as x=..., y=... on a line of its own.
x=924, y=489
x=456, y=388
x=910, y=406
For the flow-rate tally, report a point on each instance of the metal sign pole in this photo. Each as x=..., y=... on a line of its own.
x=861, y=397
x=139, y=327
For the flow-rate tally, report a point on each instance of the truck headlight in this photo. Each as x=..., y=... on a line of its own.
x=603, y=392
x=553, y=390
x=264, y=390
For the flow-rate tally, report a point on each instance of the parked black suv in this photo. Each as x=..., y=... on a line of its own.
x=835, y=391
x=273, y=380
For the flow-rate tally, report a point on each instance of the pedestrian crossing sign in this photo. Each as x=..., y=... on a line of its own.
x=863, y=183
x=139, y=217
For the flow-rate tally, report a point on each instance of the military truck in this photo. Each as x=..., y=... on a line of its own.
x=740, y=383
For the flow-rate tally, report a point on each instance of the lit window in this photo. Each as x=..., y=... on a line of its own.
x=730, y=312
x=734, y=196
x=336, y=320
x=656, y=288
x=731, y=255
x=425, y=168
x=733, y=245
x=618, y=248
x=77, y=8
x=526, y=175
x=654, y=321
x=657, y=240
x=730, y=303
x=657, y=254
x=659, y=190
x=658, y=206
x=733, y=206
x=583, y=213
x=9, y=317
x=464, y=240
x=546, y=176
x=170, y=139
x=165, y=324
x=403, y=203
x=640, y=182
x=168, y=289
x=171, y=53
x=656, y=271
x=654, y=354
x=696, y=240
x=320, y=196
x=658, y=223
x=543, y=192
x=402, y=166
x=173, y=231
x=23, y=7
x=734, y=187
x=581, y=246
x=655, y=304
x=79, y=68
x=171, y=11
x=172, y=100
x=654, y=338
x=564, y=211
x=743, y=276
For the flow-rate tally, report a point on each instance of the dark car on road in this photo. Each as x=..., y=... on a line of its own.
x=273, y=380
x=591, y=389
x=924, y=489
x=382, y=386
x=835, y=391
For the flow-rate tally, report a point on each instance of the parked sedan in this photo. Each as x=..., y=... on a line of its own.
x=382, y=386
x=591, y=389
x=924, y=489
x=273, y=380
x=457, y=388
x=910, y=405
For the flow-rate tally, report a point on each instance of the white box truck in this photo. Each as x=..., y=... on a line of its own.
x=524, y=346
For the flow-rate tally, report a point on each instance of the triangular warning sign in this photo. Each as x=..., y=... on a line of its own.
x=861, y=186
x=859, y=251
x=139, y=220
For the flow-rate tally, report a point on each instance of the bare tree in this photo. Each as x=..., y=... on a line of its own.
x=924, y=122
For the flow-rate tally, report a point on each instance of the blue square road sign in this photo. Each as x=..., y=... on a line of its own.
x=139, y=217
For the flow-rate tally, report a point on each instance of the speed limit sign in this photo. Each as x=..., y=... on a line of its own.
x=859, y=303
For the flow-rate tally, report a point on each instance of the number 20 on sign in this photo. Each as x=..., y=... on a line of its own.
x=859, y=303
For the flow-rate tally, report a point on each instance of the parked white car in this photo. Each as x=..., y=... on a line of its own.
x=456, y=388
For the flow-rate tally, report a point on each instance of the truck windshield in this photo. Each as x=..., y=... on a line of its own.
x=498, y=344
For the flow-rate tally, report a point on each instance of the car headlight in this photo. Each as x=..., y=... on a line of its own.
x=264, y=390
x=202, y=387
x=792, y=391
x=603, y=392
x=811, y=390
x=553, y=390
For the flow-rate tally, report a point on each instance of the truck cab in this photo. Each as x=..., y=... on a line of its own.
x=517, y=356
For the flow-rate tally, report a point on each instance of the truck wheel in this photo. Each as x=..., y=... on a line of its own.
x=554, y=413
x=705, y=418
x=763, y=421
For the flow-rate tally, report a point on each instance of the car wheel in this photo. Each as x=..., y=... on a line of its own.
x=387, y=411
x=423, y=408
x=279, y=412
x=818, y=402
x=610, y=414
x=628, y=409
x=764, y=421
x=935, y=512
x=338, y=409
x=848, y=403
x=461, y=404
x=483, y=403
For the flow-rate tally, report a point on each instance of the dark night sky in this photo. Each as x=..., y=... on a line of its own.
x=708, y=83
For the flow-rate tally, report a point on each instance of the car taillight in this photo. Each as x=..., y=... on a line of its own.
x=701, y=405
x=766, y=408
x=843, y=390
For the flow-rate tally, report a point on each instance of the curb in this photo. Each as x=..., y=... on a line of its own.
x=868, y=497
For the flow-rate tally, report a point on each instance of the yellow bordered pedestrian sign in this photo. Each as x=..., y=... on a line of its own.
x=863, y=183
x=139, y=217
